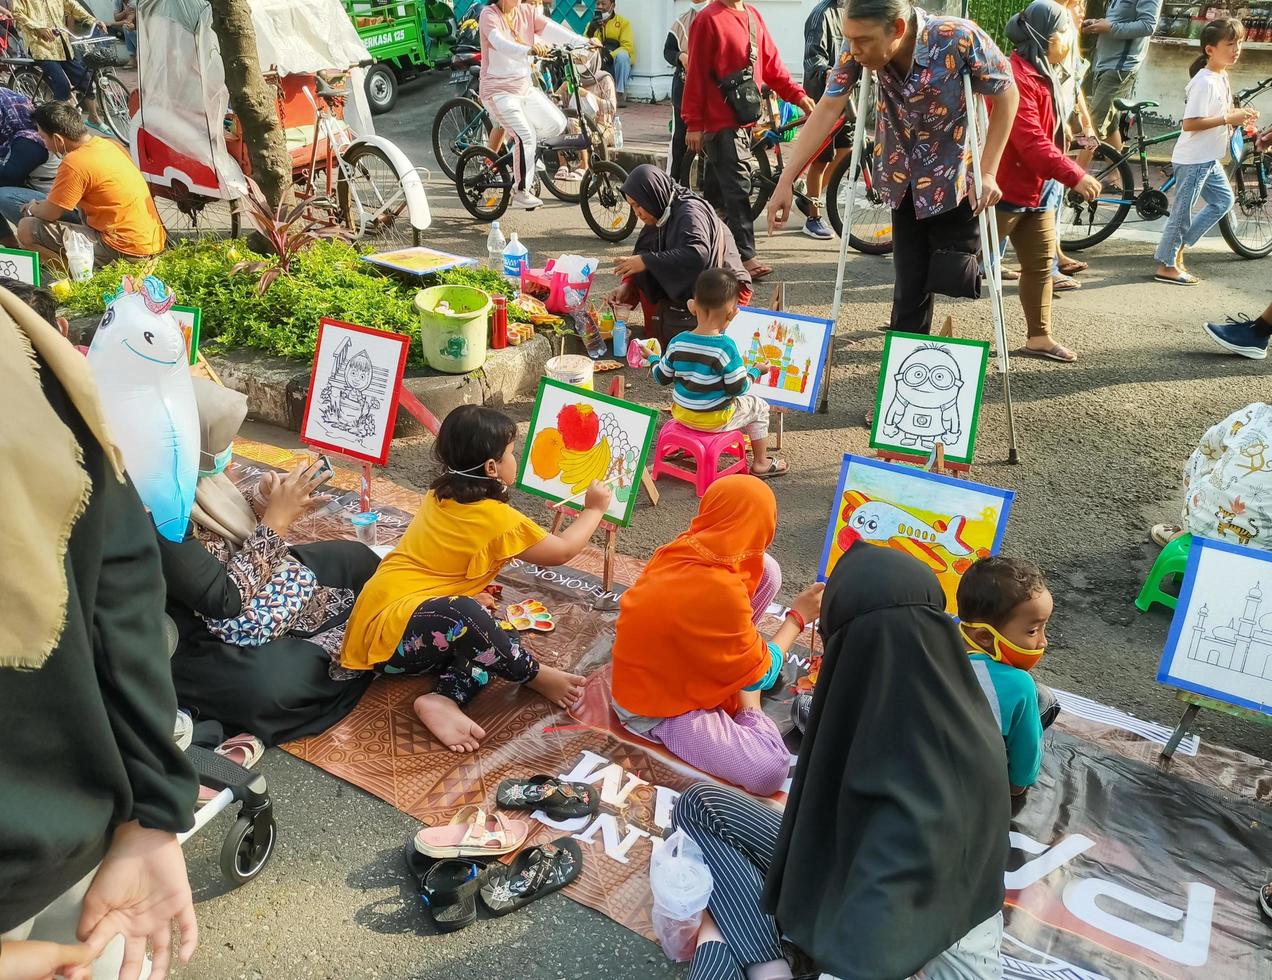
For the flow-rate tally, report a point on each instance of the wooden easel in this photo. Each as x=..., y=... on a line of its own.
x=616, y=389
x=1195, y=702
x=778, y=305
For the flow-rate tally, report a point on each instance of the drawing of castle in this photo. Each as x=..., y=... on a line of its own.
x=1243, y=646
x=774, y=357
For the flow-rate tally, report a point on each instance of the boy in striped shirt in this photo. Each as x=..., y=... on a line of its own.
x=710, y=378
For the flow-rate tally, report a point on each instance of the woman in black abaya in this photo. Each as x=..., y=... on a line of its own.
x=889, y=858
x=682, y=237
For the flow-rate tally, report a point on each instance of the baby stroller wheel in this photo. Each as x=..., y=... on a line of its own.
x=247, y=847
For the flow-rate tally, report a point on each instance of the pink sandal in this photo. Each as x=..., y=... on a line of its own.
x=471, y=833
x=244, y=749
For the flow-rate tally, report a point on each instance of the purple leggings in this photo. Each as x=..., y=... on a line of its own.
x=745, y=749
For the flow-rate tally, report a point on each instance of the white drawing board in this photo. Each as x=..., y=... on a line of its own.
x=1220, y=642
x=929, y=391
x=354, y=389
x=789, y=352
x=19, y=264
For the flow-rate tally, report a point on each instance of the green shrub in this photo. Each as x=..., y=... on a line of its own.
x=329, y=280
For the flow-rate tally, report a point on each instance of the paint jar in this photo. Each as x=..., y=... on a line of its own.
x=570, y=369
x=366, y=526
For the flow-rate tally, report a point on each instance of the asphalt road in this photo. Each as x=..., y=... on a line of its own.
x=1101, y=448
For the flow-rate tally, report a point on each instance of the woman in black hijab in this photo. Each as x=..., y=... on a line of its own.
x=890, y=856
x=682, y=237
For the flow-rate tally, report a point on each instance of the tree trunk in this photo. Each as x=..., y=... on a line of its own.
x=252, y=99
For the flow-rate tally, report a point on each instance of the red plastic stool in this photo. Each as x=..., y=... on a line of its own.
x=706, y=448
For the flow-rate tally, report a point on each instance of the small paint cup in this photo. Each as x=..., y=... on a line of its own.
x=366, y=527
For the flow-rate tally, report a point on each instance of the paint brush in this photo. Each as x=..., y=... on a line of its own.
x=612, y=483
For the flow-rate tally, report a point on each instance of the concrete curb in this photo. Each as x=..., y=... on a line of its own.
x=633, y=155
x=276, y=387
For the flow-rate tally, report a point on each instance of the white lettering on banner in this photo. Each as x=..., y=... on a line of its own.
x=1193, y=950
x=608, y=775
x=607, y=824
x=557, y=578
x=1052, y=858
x=664, y=799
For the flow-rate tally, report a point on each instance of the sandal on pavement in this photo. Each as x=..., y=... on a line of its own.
x=448, y=888
x=1010, y=275
x=472, y=834
x=1062, y=283
x=776, y=467
x=1183, y=279
x=1265, y=901
x=536, y=871
x=760, y=271
x=1072, y=267
x=1058, y=352
x=558, y=799
x=1164, y=534
x=244, y=749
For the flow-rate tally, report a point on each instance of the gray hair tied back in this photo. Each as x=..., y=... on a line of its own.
x=883, y=11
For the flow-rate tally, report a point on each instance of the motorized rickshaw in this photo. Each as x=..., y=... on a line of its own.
x=189, y=145
x=406, y=38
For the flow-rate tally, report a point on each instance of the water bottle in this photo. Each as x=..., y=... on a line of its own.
x=620, y=338
x=495, y=243
x=515, y=257
x=618, y=133
x=681, y=883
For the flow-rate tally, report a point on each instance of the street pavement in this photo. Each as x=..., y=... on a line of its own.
x=1101, y=444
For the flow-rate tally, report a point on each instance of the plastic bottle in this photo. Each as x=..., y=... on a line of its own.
x=681, y=883
x=515, y=257
x=607, y=322
x=495, y=243
x=618, y=133
x=620, y=339
x=499, y=322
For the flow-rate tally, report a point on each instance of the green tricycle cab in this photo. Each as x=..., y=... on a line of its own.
x=406, y=38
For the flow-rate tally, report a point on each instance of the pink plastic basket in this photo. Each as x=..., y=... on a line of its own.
x=557, y=283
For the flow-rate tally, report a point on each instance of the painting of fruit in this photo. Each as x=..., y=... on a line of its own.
x=579, y=426
x=545, y=454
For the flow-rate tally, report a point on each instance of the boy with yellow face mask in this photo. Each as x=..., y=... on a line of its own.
x=1003, y=607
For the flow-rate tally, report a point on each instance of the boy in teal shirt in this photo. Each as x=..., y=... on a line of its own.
x=1003, y=607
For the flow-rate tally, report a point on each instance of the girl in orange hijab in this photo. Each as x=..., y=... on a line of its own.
x=689, y=663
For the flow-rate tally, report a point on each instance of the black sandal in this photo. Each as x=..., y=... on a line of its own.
x=448, y=888
x=558, y=799
x=536, y=871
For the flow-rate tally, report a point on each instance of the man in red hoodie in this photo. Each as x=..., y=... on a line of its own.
x=720, y=44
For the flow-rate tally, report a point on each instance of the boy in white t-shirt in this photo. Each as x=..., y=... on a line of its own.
x=1208, y=116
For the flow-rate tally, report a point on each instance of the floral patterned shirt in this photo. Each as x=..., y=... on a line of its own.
x=920, y=118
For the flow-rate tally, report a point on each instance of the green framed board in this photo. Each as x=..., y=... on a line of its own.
x=19, y=264
x=190, y=320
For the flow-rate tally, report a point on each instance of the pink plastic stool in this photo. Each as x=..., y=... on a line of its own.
x=706, y=448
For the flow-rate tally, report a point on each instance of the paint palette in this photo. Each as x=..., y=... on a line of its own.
x=531, y=615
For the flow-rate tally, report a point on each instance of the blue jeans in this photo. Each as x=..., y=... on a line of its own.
x=622, y=69
x=63, y=75
x=1182, y=229
x=12, y=200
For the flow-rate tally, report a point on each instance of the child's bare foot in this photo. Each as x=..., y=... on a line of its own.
x=448, y=723
x=562, y=689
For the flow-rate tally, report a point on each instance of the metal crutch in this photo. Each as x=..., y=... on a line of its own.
x=854, y=164
x=993, y=263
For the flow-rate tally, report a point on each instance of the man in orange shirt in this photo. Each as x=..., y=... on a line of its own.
x=97, y=178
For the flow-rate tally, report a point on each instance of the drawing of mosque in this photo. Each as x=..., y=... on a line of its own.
x=1243, y=645
x=774, y=357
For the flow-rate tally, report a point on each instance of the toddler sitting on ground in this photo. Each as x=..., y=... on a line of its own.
x=710, y=377
x=1003, y=607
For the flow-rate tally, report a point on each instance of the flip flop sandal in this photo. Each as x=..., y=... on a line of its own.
x=1062, y=283
x=1265, y=901
x=536, y=871
x=244, y=749
x=1183, y=279
x=1073, y=267
x=1011, y=275
x=470, y=834
x=761, y=272
x=775, y=469
x=556, y=798
x=1164, y=534
x=1057, y=353
x=448, y=889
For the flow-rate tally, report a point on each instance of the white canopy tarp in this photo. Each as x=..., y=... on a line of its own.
x=178, y=133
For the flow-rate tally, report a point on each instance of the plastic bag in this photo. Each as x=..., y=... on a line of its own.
x=79, y=255
x=682, y=884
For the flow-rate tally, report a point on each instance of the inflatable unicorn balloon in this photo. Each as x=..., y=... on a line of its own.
x=138, y=357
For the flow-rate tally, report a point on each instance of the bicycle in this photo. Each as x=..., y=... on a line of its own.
x=110, y=93
x=1247, y=228
x=462, y=121
x=484, y=179
x=872, y=218
x=22, y=75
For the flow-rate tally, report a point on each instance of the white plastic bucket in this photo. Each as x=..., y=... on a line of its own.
x=570, y=369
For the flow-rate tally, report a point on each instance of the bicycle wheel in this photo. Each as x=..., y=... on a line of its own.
x=1247, y=228
x=761, y=178
x=370, y=199
x=604, y=207
x=871, y=231
x=193, y=217
x=30, y=81
x=483, y=182
x=1084, y=225
x=459, y=124
x=112, y=103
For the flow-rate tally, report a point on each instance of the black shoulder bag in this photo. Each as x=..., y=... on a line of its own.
x=740, y=92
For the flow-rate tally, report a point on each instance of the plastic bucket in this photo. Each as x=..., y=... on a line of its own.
x=571, y=369
x=454, y=341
